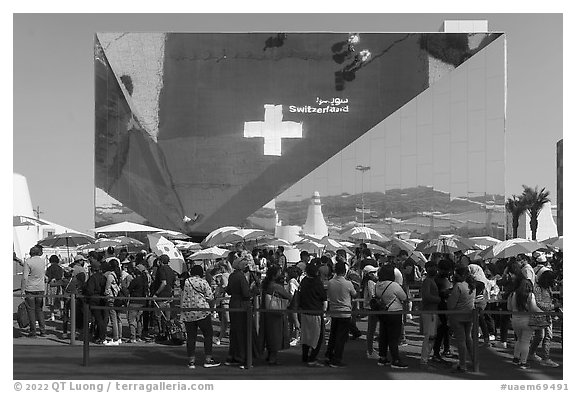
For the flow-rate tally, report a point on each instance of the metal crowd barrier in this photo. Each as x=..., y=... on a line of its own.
x=251, y=313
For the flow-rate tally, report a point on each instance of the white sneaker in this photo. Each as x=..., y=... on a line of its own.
x=492, y=337
x=111, y=343
x=372, y=355
x=119, y=341
x=549, y=363
x=294, y=342
x=216, y=341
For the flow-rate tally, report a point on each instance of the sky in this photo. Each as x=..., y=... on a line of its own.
x=53, y=91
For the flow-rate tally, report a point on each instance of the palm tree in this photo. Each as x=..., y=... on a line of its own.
x=535, y=200
x=516, y=207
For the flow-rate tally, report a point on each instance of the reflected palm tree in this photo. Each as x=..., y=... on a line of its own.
x=535, y=200
x=516, y=207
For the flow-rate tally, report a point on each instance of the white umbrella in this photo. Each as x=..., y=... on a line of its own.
x=483, y=242
x=555, y=242
x=309, y=245
x=511, y=248
x=365, y=233
x=210, y=253
x=333, y=245
x=126, y=227
x=242, y=235
x=173, y=235
x=215, y=237
x=276, y=242
x=190, y=246
x=162, y=246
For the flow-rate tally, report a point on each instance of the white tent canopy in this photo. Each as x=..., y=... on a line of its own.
x=126, y=227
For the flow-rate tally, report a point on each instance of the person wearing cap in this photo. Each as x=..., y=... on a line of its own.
x=138, y=287
x=33, y=285
x=239, y=291
x=369, y=280
x=542, y=264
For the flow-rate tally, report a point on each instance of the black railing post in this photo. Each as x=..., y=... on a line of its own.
x=86, y=333
x=72, y=326
x=475, y=325
x=249, y=336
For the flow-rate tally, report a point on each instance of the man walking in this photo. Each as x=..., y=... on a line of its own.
x=33, y=285
x=340, y=294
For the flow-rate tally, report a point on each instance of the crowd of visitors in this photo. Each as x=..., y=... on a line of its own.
x=308, y=289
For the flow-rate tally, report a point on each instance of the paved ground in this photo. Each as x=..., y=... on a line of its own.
x=53, y=358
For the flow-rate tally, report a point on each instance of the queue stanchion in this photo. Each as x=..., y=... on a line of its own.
x=72, y=326
x=86, y=333
x=249, y=336
x=475, y=325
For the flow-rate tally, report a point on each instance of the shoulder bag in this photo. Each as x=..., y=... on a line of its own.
x=275, y=302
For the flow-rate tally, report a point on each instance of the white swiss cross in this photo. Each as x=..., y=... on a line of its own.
x=272, y=129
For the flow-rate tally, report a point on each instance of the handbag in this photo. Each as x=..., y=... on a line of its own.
x=22, y=316
x=274, y=302
x=176, y=333
x=538, y=321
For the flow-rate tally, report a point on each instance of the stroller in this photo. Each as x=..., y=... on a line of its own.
x=171, y=331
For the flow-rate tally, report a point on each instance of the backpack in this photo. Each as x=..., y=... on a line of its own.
x=121, y=291
x=377, y=304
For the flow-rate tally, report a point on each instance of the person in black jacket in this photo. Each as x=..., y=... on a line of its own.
x=138, y=288
x=239, y=291
x=312, y=297
x=94, y=290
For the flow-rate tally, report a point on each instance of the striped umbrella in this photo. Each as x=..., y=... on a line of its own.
x=395, y=245
x=365, y=233
x=445, y=245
